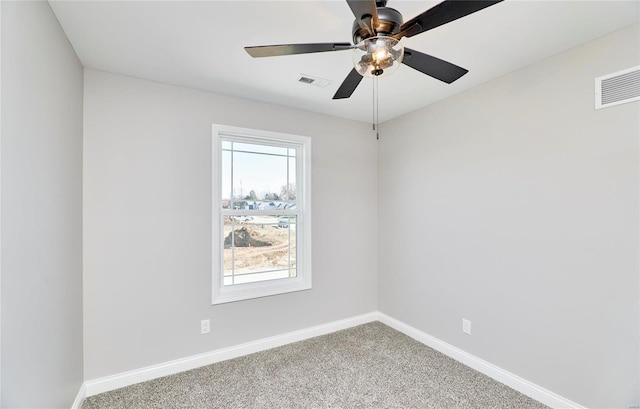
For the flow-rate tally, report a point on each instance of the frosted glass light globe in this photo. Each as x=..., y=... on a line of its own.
x=377, y=56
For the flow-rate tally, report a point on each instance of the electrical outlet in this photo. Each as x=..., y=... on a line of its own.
x=205, y=327
x=466, y=326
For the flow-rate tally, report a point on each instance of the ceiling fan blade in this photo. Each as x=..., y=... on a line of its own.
x=348, y=85
x=366, y=14
x=445, y=12
x=290, y=49
x=432, y=66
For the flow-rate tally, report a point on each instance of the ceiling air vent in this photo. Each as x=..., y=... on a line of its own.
x=618, y=88
x=318, y=82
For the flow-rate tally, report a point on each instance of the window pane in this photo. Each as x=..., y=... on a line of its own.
x=290, y=191
x=259, y=248
x=258, y=177
x=226, y=180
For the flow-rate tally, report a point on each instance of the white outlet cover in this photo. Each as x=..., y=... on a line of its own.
x=466, y=326
x=205, y=327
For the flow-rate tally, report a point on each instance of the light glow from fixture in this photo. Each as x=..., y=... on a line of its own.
x=377, y=56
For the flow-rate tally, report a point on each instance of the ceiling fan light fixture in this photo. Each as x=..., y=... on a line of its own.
x=377, y=56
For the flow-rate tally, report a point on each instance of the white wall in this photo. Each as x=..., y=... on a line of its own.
x=147, y=224
x=41, y=210
x=515, y=205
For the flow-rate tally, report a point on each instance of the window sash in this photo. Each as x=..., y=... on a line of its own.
x=275, y=266
x=242, y=139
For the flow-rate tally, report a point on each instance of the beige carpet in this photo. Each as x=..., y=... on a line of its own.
x=369, y=366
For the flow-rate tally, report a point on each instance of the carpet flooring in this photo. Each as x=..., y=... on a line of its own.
x=368, y=366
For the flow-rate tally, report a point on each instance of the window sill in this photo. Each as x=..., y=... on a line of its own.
x=241, y=292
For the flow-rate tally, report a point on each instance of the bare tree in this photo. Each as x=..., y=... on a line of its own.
x=288, y=192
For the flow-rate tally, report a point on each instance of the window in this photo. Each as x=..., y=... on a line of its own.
x=261, y=213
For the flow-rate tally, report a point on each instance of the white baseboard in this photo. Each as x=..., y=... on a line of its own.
x=96, y=386
x=82, y=395
x=513, y=381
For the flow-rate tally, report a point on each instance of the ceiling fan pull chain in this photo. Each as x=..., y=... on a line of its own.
x=376, y=106
x=373, y=104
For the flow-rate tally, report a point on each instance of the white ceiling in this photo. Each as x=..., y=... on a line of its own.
x=199, y=44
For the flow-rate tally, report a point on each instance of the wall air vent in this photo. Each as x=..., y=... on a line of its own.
x=318, y=82
x=618, y=88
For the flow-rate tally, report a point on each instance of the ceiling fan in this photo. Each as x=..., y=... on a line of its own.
x=376, y=33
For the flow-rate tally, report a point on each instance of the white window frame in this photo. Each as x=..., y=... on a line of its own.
x=230, y=293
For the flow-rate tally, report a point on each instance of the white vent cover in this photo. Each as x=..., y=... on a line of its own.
x=618, y=88
x=318, y=82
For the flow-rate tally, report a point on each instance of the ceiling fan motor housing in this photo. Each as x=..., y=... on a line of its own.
x=389, y=22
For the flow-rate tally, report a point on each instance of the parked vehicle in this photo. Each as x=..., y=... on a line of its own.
x=242, y=218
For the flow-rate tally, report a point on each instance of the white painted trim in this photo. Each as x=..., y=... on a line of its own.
x=513, y=381
x=108, y=383
x=0, y=201
x=82, y=395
